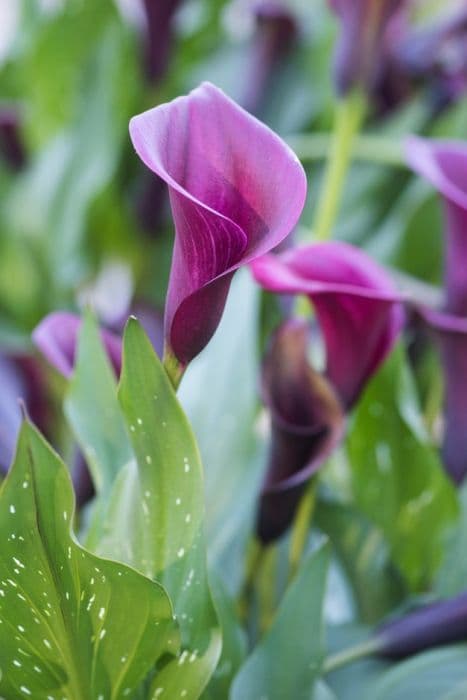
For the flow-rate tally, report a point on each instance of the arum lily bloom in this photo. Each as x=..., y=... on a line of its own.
x=360, y=317
x=276, y=31
x=444, y=164
x=236, y=191
x=20, y=381
x=159, y=20
x=360, y=49
x=56, y=337
x=440, y=623
x=11, y=145
x=307, y=424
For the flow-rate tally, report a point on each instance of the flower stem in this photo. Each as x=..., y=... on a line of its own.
x=349, y=117
x=301, y=527
x=254, y=557
x=371, y=148
x=348, y=656
x=266, y=588
x=173, y=367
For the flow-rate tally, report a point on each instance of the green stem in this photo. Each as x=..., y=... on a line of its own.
x=266, y=588
x=254, y=557
x=349, y=116
x=301, y=527
x=349, y=656
x=173, y=367
x=380, y=150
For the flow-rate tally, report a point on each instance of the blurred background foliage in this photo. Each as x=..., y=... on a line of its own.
x=82, y=220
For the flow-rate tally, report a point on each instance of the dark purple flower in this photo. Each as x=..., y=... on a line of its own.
x=362, y=41
x=159, y=36
x=437, y=55
x=20, y=380
x=360, y=317
x=56, y=337
x=236, y=191
x=307, y=424
x=444, y=164
x=355, y=302
x=11, y=144
x=440, y=623
x=276, y=30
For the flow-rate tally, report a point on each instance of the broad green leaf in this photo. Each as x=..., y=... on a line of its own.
x=234, y=643
x=364, y=555
x=73, y=625
x=223, y=421
x=451, y=578
x=287, y=661
x=433, y=675
x=93, y=411
x=398, y=480
x=162, y=511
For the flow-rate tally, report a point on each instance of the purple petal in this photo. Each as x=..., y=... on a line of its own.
x=236, y=191
x=434, y=625
x=56, y=337
x=307, y=423
x=451, y=336
x=355, y=301
x=444, y=164
x=13, y=388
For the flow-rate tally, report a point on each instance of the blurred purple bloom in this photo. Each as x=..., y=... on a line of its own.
x=360, y=317
x=56, y=337
x=362, y=42
x=307, y=424
x=11, y=144
x=444, y=164
x=440, y=623
x=236, y=191
x=20, y=380
x=276, y=31
x=159, y=36
x=354, y=300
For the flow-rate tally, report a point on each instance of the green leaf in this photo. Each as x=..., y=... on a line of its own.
x=398, y=480
x=287, y=661
x=223, y=421
x=364, y=555
x=234, y=643
x=162, y=512
x=72, y=624
x=451, y=578
x=433, y=675
x=93, y=411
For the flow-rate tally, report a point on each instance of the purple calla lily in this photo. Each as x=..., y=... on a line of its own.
x=355, y=302
x=56, y=337
x=437, y=624
x=361, y=44
x=444, y=164
x=236, y=191
x=360, y=316
x=159, y=30
x=307, y=424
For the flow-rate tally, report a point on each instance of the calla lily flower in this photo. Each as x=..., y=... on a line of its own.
x=307, y=424
x=276, y=32
x=11, y=145
x=361, y=44
x=56, y=337
x=20, y=380
x=355, y=301
x=236, y=191
x=159, y=19
x=437, y=624
x=444, y=164
x=360, y=317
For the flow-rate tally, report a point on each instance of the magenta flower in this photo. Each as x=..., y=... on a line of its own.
x=56, y=337
x=236, y=191
x=360, y=317
x=355, y=304
x=444, y=164
x=362, y=41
